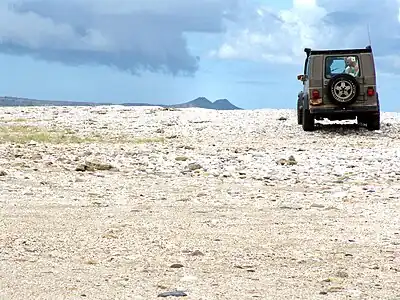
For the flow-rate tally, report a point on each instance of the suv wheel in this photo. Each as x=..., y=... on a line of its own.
x=308, y=120
x=299, y=113
x=374, y=122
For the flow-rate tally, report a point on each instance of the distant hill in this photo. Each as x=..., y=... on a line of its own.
x=15, y=101
x=201, y=102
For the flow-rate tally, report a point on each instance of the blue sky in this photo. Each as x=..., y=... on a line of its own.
x=159, y=51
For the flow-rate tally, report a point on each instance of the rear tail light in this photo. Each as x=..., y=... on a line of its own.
x=370, y=92
x=315, y=94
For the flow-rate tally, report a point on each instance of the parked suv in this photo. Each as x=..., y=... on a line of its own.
x=338, y=85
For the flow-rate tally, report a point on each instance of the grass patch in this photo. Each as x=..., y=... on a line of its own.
x=123, y=139
x=21, y=134
x=17, y=120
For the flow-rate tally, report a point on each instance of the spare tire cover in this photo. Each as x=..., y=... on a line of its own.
x=343, y=89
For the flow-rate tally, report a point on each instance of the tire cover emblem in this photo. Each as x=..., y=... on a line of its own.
x=343, y=90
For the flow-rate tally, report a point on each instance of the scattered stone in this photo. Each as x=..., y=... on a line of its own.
x=316, y=205
x=226, y=175
x=94, y=166
x=169, y=109
x=176, y=266
x=181, y=158
x=260, y=218
x=291, y=161
x=194, y=166
x=334, y=289
x=197, y=253
x=173, y=294
x=291, y=207
x=188, y=147
x=82, y=168
x=244, y=267
x=282, y=161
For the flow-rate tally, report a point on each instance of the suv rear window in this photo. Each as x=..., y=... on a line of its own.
x=342, y=64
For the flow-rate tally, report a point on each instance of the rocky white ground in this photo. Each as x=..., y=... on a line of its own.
x=200, y=201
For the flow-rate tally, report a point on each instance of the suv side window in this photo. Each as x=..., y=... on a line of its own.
x=306, y=64
x=308, y=68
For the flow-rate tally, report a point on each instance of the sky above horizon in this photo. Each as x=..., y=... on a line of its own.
x=172, y=51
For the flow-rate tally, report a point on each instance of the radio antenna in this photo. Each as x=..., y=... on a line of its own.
x=369, y=35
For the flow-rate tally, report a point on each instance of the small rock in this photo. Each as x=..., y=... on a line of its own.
x=173, y=294
x=176, y=266
x=163, y=285
x=181, y=158
x=81, y=168
x=93, y=166
x=197, y=253
x=169, y=109
x=290, y=207
x=194, y=167
x=188, y=147
x=3, y=173
x=281, y=161
x=315, y=205
x=226, y=174
x=36, y=156
x=100, y=166
x=333, y=289
x=289, y=162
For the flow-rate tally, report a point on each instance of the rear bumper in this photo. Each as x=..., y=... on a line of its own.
x=344, y=110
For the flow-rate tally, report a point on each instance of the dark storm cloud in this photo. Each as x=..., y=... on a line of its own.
x=131, y=35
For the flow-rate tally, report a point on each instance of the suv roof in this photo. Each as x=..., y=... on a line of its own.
x=310, y=51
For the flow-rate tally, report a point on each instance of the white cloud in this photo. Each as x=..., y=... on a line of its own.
x=281, y=36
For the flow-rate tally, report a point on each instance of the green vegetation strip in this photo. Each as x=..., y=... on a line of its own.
x=22, y=134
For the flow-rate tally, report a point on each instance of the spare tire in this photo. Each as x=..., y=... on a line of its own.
x=343, y=89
